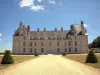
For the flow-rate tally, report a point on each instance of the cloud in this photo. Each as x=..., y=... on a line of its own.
x=51, y=1
x=30, y=4
x=36, y=8
x=26, y=3
x=0, y=34
x=85, y=25
x=39, y=1
x=0, y=39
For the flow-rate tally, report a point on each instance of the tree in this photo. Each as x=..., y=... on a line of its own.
x=7, y=58
x=95, y=43
x=91, y=57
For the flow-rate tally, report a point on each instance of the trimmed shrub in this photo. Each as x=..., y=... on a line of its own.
x=64, y=54
x=91, y=57
x=36, y=54
x=7, y=58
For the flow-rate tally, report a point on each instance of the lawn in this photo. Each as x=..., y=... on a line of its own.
x=17, y=59
x=81, y=58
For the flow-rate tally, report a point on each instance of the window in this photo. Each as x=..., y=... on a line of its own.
x=23, y=43
x=41, y=43
x=69, y=43
x=75, y=49
x=30, y=49
x=42, y=50
x=50, y=43
x=30, y=43
x=57, y=43
x=23, y=49
x=35, y=43
x=69, y=49
x=75, y=37
x=35, y=50
x=75, y=43
x=58, y=50
x=24, y=37
x=65, y=43
x=65, y=49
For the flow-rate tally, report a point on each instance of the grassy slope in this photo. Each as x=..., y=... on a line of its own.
x=17, y=59
x=81, y=58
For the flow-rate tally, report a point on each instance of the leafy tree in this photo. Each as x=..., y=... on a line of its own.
x=36, y=54
x=64, y=54
x=91, y=57
x=7, y=58
x=95, y=43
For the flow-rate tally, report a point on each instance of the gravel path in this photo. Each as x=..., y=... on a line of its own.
x=50, y=65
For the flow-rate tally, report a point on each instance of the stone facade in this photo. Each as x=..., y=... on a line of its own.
x=74, y=40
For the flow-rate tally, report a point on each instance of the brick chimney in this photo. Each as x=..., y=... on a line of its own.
x=62, y=29
x=82, y=22
x=44, y=29
x=38, y=29
x=55, y=29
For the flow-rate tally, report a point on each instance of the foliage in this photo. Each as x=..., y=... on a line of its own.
x=36, y=54
x=95, y=43
x=91, y=57
x=7, y=58
x=64, y=54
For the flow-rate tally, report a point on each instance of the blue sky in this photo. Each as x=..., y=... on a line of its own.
x=47, y=14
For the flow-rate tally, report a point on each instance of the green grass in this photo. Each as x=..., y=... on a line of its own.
x=17, y=59
x=82, y=57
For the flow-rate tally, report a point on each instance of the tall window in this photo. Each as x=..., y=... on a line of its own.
x=69, y=43
x=75, y=37
x=65, y=43
x=35, y=50
x=42, y=50
x=75, y=49
x=35, y=43
x=23, y=49
x=58, y=50
x=30, y=49
x=75, y=43
x=42, y=43
x=24, y=44
x=24, y=38
x=57, y=43
x=69, y=49
x=65, y=49
x=50, y=43
x=30, y=43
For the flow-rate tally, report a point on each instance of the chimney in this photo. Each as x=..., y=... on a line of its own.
x=55, y=29
x=44, y=29
x=21, y=23
x=38, y=29
x=61, y=29
x=28, y=28
x=82, y=22
x=72, y=27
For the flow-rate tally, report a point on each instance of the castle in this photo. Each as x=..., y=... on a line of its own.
x=74, y=40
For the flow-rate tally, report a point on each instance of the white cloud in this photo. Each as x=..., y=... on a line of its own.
x=0, y=34
x=26, y=3
x=36, y=8
x=30, y=4
x=85, y=25
x=52, y=1
x=39, y=1
x=0, y=39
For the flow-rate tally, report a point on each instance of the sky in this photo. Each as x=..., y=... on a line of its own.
x=47, y=14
